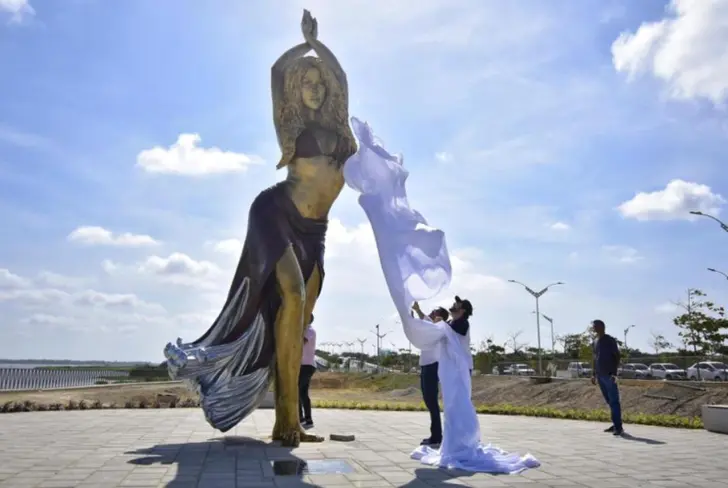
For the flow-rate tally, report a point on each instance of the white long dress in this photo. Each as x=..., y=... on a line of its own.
x=416, y=266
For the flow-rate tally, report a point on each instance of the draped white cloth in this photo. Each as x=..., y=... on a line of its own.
x=416, y=266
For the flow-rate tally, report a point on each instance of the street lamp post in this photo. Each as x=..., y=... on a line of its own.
x=379, y=340
x=722, y=224
x=625, y=338
x=553, y=342
x=713, y=270
x=537, y=295
x=361, y=361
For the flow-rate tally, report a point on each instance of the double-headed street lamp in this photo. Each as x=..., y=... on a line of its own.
x=553, y=341
x=722, y=224
x=713, y=270
x=537, y=295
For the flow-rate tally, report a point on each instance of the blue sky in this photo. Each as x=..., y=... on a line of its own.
x=528, y=127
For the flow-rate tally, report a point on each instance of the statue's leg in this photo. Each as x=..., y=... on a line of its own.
x=289, y=344
x=313, y=285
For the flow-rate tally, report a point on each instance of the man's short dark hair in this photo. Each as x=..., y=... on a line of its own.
x=465, y=305
x=598, y=323
x=441, y=312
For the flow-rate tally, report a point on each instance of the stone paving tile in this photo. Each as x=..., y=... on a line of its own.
x=177, y=449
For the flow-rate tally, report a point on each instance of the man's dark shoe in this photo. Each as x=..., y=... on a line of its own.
x=618, y=432
x=307, y=424
x=610, y=429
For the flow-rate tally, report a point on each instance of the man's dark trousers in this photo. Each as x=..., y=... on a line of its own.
x=430, y=394
x=610, y=390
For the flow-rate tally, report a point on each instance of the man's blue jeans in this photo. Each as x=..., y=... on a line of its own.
x=610, y=390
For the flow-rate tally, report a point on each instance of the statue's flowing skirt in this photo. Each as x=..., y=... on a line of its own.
x=416, y=266
x=230, y=365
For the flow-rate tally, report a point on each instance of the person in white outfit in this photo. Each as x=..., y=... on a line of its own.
x=416, y=266
x=429, y=382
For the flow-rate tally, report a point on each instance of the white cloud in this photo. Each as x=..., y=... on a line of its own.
x=19, y=10
x=560, y=226
x=9, y=280
x=93, y=235
x=228, y=246
x=622, y=254
x=342, y=241
x=83, y=298
x=185, y=157
x=177, y=268
x=56, y=280
x=687, y=49
x=674, y=202
x=36, y=303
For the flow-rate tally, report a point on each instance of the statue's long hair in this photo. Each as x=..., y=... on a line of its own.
x=291, y=115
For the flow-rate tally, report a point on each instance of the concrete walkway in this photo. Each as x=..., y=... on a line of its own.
x=176, y=448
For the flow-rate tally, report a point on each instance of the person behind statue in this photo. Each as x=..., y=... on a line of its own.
x=605, y=364
x=308, y=368
x=429, y=381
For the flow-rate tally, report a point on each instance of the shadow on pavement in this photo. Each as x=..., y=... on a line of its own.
x=224, y=461
x=435, y=478
x=644, y=440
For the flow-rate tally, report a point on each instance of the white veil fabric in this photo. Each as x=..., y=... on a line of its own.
x=416, y=266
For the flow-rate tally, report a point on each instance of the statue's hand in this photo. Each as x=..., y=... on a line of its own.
x=309, y=27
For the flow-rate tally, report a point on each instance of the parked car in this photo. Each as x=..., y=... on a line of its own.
x=709, y=370
x=579, y=370
x=636, y=371
x=519, y=370
x=667, y=371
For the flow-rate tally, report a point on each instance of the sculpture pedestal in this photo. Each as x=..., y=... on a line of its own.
x=715, y=418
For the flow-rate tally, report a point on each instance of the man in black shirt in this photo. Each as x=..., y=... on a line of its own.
x=461, y=311
x=604, y=372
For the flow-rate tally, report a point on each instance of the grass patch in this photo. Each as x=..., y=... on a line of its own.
x=675, y=421
x=544, y=412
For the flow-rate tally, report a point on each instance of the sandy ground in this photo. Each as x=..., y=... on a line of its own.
x=487, y=390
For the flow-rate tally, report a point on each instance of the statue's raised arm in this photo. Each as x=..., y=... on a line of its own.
x=309, y=28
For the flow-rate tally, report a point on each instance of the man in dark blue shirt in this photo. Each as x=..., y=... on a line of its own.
x=605, y=364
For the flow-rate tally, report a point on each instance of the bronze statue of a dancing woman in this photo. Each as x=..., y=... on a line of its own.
x=259, y=333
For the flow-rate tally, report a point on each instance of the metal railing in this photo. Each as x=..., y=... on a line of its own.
x=40, y=379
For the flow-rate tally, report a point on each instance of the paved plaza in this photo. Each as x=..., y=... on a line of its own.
x=177, y=448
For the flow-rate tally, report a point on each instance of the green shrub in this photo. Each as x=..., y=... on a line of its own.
x=546, y=412
x=504, y=409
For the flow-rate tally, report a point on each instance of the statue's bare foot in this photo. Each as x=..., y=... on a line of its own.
x=292, y=437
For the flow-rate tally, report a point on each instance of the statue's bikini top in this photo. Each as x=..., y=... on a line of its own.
x=307, y=145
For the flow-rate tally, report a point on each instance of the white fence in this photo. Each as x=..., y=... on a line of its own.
x=41, y=379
